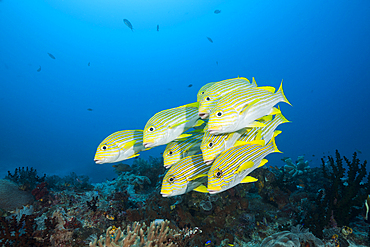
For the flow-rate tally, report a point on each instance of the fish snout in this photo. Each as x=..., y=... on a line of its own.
x=213, y=131
x=148, y=144
x=203, y=115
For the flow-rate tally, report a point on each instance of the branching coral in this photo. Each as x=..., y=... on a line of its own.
x=300, y=167
x=139, y=235
x=292, y=238
x=26, y=178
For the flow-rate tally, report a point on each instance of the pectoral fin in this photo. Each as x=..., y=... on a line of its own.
x=201, y=188
x=249, y=179
x=133, y=156
x=263, y=162
x=197, y=176
x=268, y=88
x=256, y=124
x=245, y=165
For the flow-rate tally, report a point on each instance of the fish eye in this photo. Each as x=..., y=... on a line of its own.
x=202, y=92
x=104, y=147
x=219, y=114
x=171, y=180
x=151, y=129
x=218, y=174
x=210, y=145
x=170, y=153
x=208, y=99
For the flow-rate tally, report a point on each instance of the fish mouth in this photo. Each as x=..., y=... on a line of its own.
x=148, y=144
x=213, y=191
x=98, y=161
x=208, y=162
x=203, y=115
x=165, y=194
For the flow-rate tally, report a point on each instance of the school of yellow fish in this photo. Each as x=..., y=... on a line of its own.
x=212, y=144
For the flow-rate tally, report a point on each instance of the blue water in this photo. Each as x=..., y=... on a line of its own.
x=320, y=48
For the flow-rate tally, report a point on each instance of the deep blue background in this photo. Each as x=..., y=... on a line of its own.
x=320, y=48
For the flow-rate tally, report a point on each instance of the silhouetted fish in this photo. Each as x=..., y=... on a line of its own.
x=88, y=64
x=128, y=23
x=157, y=28
x=39, y=69
x=217, y=11
x=51, y=55
x=89, y=109
x=190, y=85
x=210, y=40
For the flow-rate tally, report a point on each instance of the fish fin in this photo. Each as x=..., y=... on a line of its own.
x=245, y=165
x=268, y=88
x=266, y=118
x=128, y=144
x=259, y=135
x=195, y=104
x=274, y=111
x=199, y=123
x=263, y=162
x=201, y=188
x=240, y=143
x=183, y=136
x=258, y=142
x=276, y=150
x=281, y=117
x=277, y=132
x=255, y=124
x=176, y=124
x=254, y=83
x=133, y=156
x=280, y=91
x=248, y=106
x=249, y=179
x=197, y=176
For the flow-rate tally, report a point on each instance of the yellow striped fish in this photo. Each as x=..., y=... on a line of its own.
x=241, y=108
x=167, y=125
x=213, y=145
x=180, y=148
x=233, y=166
x=120, y=145
x=264, y=133
x=186, y=175
x=217, y=90
x=202, y=91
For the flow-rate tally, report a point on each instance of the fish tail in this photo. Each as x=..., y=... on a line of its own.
x=272, y=145
x=281, y=92
x=281, y=119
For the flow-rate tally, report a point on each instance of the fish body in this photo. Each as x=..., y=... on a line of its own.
x=241, y=108
x=120, y=145
x=51, y=55
x=167, y=125
x=180, y=148
x=88, y=64
x=213, y=145
x=128, y=23
x=186, y=175
x=232, y=166
x=39, y=69
x=157, y=28
x=202, y=91
x=264, y=133
x=209, y=39
x=217, y=11
x=214, y=92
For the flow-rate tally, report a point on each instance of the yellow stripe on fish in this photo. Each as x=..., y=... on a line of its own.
x=264, y=133
x=186, y=175
x=167, y=125
x=180, y=148
x=233, y=166
x=120, y=145
x=241, y=108
x=219, y=89
x=213, y=145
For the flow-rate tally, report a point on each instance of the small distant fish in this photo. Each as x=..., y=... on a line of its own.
x=207, y=243
x=217, y=11
x=128, y=23
x=51, y=55
x=119, y=168
x=217, y=62
x=157, y=28
x=190, y=85
x=89, y=109
x=88, y=64
x=210, y=40
x=39, y=69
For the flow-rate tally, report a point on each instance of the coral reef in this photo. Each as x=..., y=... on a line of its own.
x=299, y=168
x=297, y=237
x=139, y=235
x=12, y=197
x=27, y=179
